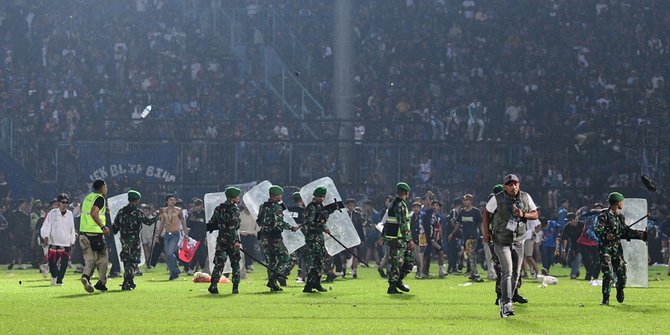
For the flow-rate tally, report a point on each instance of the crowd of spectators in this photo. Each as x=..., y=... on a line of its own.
x=569, y=94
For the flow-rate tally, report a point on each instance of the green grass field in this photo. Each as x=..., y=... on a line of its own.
x=29, y=305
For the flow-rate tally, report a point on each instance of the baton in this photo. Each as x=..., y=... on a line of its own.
x=263, y=264
x=347, y=249
x=634, y=223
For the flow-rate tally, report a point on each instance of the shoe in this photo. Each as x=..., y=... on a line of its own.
x=114, y=275
x=213, y=289
x=150, y=268
x=273, y=286
x=190, y=272
x=476, y=279
x=53, y=281
x=354, y=274
x=330, y=277
x=100, y=287
x=10, y=266
x=545, y=272
x=506, y=310
x=606, y=300
x=126, y=286
x=442, y=273
x=573, y=276
x=175, y=277
x=79, y=270
x=282, y=282
x=519, y=299
x=59, y=283
x=619, y=295
x=399, y=285
x=44, y=269
x=320, y=288
x=299, y=280
x=87, y=284
x=419, y=276
x=383, y=274
x=393, y=290
x=308, y=288
x=235, y=288
x=138, y=273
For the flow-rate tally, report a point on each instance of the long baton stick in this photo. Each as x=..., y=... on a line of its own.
x=347, y=249
x=263, y=264
x=642, y=218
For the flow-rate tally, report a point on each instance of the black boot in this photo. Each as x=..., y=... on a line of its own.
x=272, y=284
x=213, y=289
x=282, y=281
x=497, y=298
x=330, y=277
x=318, y=287
x=519, y=299
x=235, y=286
x=393, y=289
x=308, y=287
x=619, y=294
x=100, y=286
x=606, y=299
x=383, y=274
x=399, y=285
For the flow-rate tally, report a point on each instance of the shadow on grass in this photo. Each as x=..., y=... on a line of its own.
x=37, y=286
x=86, y=294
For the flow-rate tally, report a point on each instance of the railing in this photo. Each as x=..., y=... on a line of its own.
x=286, y=64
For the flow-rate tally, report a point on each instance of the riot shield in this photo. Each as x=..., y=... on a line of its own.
x=114, y=205
x=211, y=201
x=253, y=200
x=635, y=251
x=339, y=222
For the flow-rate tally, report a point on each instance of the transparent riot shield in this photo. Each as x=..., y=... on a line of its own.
x=339, y=223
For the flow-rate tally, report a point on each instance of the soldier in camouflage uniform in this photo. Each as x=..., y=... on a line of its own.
x=610, y=230
x=271, y=222
x=398, y=237
x=313, y=228
x=129, y=222
x=226, y=219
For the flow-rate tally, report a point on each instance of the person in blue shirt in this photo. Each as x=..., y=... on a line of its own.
x=551, y=235
x=562, y=217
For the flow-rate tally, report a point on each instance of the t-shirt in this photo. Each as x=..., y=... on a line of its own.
x=572, y=233
x=99, y=202
x=196, y=224
x=550, y=234
x=492, y=205
x=470, y=221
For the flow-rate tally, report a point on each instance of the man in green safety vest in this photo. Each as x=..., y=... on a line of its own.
x=92, y=228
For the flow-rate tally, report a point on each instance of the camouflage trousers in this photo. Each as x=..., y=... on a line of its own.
x=130, y=256
x=314, y=258
x=225, y=250
x=612, y=264
x=471, y=252
x=276, y=256
x=401, y=260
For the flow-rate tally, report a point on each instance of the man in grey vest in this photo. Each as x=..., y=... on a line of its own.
x=512, y=209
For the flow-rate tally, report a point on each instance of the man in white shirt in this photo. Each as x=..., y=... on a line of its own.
x=58, y=233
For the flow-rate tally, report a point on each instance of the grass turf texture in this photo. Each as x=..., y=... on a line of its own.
x=351, y=306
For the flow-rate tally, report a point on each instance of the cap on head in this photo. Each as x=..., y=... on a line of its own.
x=197, y=202
x=497, y=188
x=510, y=178
x=37, y=203
x=276, y=190
x=468, y=197
x=232, y=192
x=351, y=201
x=615, y=196
x=62, y=197
x=402, y=186
x=416, y=204
x=319, y=192
x=571, y=215
x=134, y=195
x=296, y=196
